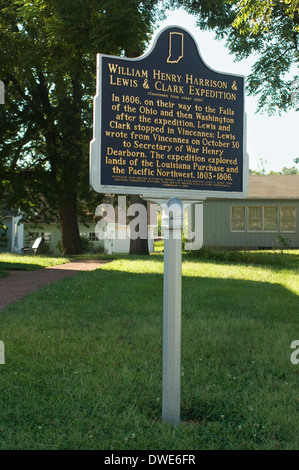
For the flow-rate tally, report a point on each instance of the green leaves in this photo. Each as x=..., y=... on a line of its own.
x=268, y=29
x=255, y=16
x=48, y=65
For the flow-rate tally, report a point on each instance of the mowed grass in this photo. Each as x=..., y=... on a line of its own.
x=13, y=262
x=84, y=359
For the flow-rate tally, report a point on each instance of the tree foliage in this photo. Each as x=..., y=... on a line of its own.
x=48, y=65
x=268, y=29
x=256, y=16
x=262, y=170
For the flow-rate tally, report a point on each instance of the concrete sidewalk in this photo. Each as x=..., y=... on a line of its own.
x=20, y=283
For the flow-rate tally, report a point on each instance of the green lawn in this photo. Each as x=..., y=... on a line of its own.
x=84, y=359
x=15, y=262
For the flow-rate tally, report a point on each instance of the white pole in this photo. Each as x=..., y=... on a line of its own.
x=173, y=225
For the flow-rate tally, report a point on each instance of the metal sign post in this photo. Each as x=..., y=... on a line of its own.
x=173, y=225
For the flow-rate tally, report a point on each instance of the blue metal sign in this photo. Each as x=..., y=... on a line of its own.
x=166, y=124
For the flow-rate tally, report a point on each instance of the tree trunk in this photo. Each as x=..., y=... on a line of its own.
x=139, y=246
x=70, y=236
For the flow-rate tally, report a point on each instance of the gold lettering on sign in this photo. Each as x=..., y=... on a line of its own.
x=170, y=129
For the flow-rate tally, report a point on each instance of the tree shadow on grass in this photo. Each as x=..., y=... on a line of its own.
x=210, y=296
x=274, y=258
x=14, y=266
x=236, y=337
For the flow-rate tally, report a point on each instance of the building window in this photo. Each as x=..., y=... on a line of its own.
x=47, y=236
x=255, y=219
x=263, y=219
x=270, y=219
x=287, y=219
x=238, y=219
x=92, y=237
x=32, y=236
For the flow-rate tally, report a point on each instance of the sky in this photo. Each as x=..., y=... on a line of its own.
x=274, y=139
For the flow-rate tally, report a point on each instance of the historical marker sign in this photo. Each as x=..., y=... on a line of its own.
x=168, y=125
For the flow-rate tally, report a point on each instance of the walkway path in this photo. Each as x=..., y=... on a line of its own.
x=20, y=283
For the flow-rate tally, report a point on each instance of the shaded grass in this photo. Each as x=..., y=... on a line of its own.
x=84, y=360
x=264, y=257
x=13, y=262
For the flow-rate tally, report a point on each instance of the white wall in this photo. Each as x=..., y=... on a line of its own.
x=118, y=241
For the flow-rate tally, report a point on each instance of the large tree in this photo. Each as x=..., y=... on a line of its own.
x=47, y=62
x=268, y=29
